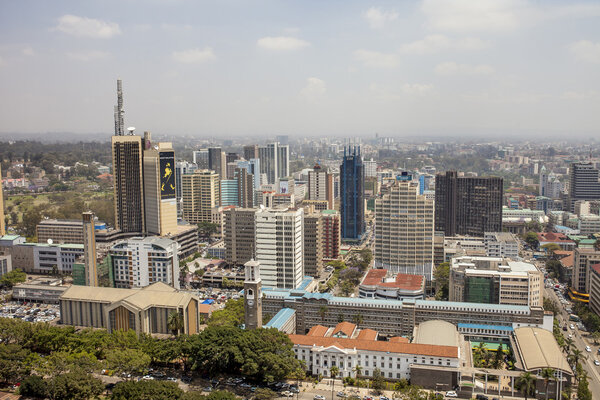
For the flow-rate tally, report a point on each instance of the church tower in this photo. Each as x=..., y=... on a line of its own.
x=253, y=296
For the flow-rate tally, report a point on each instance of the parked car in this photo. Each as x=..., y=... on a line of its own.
x=341, y=394
x=451, y=393
x=596, y=362
x=318, y=397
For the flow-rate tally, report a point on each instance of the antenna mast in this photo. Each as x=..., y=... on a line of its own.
x=119, y=124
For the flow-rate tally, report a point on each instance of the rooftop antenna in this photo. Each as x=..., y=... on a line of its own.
x=131, y=129
x=119, y=112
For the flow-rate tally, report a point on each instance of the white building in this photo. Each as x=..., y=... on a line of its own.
x=589, y=224
x=370, y=168
x=501, y=244
x=279, y=246
x=274, y=161
x=138, y=262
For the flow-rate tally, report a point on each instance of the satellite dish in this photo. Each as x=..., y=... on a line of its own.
x=50, y=241
x=131, y=129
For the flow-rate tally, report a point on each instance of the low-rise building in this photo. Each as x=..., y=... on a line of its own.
x=501, y=244
x=40, y=258
x=42, y=290
x=5, y=264
x=144, y=310
x=380, y=284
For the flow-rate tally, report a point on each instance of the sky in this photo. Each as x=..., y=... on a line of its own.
x=309, y=68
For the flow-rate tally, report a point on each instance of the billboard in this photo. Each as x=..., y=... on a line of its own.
x=167, y=175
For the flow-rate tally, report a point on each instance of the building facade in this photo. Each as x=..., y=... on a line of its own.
x=501, y=244
x=2, y=221
x=245, y=187
x=331, y=234
x=251, y=151
x=313, y=244
x=404, y=230
x=139, y=262
x=320, y=186
x=217, y=161
x=280, y=246
x=201, y=191
x=182, y=168
x=200, y=158
x=89, y=249
x=583, y=260
x=239, y=235
x=352, y=204
x=595, y=288
x=584, y=182
x=274, y=161
x=468, y=205
x=128, y=181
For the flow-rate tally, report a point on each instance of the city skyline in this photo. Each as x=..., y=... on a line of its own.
x=449, y=68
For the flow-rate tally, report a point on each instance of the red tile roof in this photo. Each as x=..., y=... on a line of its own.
x=367, y=334
x=376, y=345
x=318, y=330
x=347, y=328
x=568, y=261
x=596, y=268
x=398, y=339
x=374, y=276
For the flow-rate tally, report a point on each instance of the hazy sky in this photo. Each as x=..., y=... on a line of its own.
x=314, y=68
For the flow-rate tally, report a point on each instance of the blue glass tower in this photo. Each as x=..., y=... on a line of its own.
x=352, y=203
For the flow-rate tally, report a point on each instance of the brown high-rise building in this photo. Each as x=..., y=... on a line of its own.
x=217, y=161
x=251, y=152
x=313, y=244
x=331, y=234
x=467, y=205
x=2, y=227
x=127, y=156
x=245, y=185
x=240, y=241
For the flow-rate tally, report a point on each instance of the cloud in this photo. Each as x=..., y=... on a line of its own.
x=86, y=56
x=378, y=18
x=375, y=59
x=28, y=51
x=435, y=43
x=418, y=89
x=194, y=56
x=281, y=43
x=469, y=15
x=87, y=27
x=314, y=88
x=586, y=50
x=452, y=68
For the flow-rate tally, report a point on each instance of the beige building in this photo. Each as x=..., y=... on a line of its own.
x=200, y=192
x=404, y=230
x=317, y=205
x=584, y=258
x=2, y=222
x=160, y=198
x=89, y=249
x=239, y=227
x=60, y=231
x=313, y=244
x=142, y=310
x=127, y=156
x=496, y=281
x=320, y=185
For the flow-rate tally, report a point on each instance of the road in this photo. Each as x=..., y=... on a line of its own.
x=581, y=342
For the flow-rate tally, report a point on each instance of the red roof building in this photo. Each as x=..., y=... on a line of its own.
x=376, y=284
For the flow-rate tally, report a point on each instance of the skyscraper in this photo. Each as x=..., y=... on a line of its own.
x=128, y=183
x=240, y=228
x=2, y=226
x=89, y=249
x=467, y=205
x=274, y=161
x=320, y=185
x=313, y=244
x=279, y=246
x=352, y=205
x=229, y=192
x=331, y=234
x=216, y=161
x=245, y=188
x=201, y=191
x=404, y=229
x=182, y=168
x=160, y=194
x=584, y=183
x=200, y=158
x=251, y=151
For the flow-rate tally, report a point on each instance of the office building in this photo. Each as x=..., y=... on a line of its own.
x=40, y=258
x=2, y=218
x=584, y=183
x=331, y=234
x=245, y=188
x=584, y=259
x=273, y=199
x=380, y=284
x=251, y=151
x=279, y=246
x=217, y=161
x=239, y=235
x=128, y=180
x=274, y=161
x=60, y=231
x=589, y=224
x=89, y=249
x=495, y=280
x=200, y=158
x=201, y=192
x=313, y=244
x=317, y=205
x=320, y=186
x=182, y=168
x=139, y=262
x=5, y=264
x=352, y=204
x=229, y=192
x=370, y=168
x=160, y=197
x=143, y=311
x=501, y=244
x=404, y=229
x=467, y=205
x=595, y=288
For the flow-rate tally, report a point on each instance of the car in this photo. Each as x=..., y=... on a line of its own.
x=570, y=336
x=341, y=394
x=147, y=378
x=318, y=397
x=207, y=389
x=451, y=393
x=596, y=362
x=383, y=398
x=481, y=397
x=572, y=327
x=564, y=328
x=588, y=349
x=171, y=379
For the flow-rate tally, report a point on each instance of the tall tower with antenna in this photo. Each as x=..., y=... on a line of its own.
x=119, y=124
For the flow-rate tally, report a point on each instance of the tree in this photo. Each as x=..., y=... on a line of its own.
x=13, y=277
x=531, y=239
x=441, y=275
x=595, y=336
x=333, y=371
x=206, y=229
x=357, y=370
x=583, y=390
x=34, y=386
x=568, y=344
x=76, y=385
x=264, y=394
x=15, y=363
x=548, y=375
x=128, y=361
x=499, y=356
x=146, y=390
x=175, y=322
x=378, y=381
x=231, y=315
x=575, y=356
x=31, y=219
x=550, y=247
x=357, y=319
x=323, y=312
x=526, y=383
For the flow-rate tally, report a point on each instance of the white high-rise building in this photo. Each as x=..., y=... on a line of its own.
x=280, y=246
x=370, y=168
x=274, y=161
x=200, y=158
x=139, y=262
x=320, y=185
x=404, y=230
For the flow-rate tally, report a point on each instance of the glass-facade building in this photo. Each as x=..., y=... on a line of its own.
x=352, y=203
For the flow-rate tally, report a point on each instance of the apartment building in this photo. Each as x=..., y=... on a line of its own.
x=320, y=185
x=201, y=192
x=313, y=244
x=331, y=234
x=501, y=244
x=239, y=235
x=584, y=259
